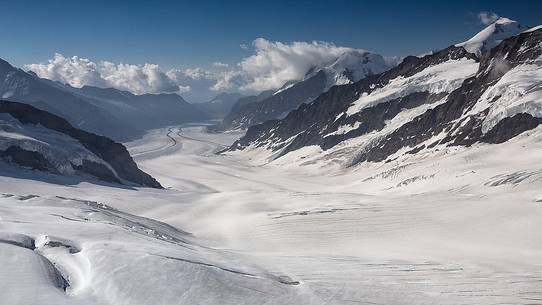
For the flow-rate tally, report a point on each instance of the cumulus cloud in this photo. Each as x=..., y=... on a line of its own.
x=195, y=73
x=487, y=18
x=275, y=63
x=77, y=72
x=231, y=80
x=270, y=66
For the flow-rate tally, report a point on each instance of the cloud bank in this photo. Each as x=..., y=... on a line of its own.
x=78, y=72
x=276, y=63
x=271, y=65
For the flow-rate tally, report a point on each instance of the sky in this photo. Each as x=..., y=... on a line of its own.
x=211, y=37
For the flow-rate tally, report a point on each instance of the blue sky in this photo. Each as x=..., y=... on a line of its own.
x=111, y=44
x=197, y=33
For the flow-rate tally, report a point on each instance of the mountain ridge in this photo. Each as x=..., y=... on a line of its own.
x=44, y=141
x=385, y=116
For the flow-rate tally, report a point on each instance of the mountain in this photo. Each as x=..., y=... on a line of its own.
x=141, y=112
x=449, y=98
x=17, y=85
x=220, y=105
x=492, y=35
x=349, y=67
x=36, y=139
x=117, y=114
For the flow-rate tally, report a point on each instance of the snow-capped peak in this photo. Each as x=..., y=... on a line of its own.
x=492, y=35
x=354, y=65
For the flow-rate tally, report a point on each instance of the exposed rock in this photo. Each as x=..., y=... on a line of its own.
x=115, y=154
x=26, y=158
x=455, y=116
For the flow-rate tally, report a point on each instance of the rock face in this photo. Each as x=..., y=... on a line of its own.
x=276, y=105
x=446, y=98
x=347, y=68
x=314, y=123
x=40, y=140
x=459, y=118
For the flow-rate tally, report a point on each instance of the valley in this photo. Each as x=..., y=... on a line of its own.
x=438, y=228
x=175, y=155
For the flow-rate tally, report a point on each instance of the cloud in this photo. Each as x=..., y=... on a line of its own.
x=230, y=80
x=275, y=63
x=218, y=64
x=77, y=72
x=270, y=65
x=195, y=73
x=199, y=81
x=487, y=18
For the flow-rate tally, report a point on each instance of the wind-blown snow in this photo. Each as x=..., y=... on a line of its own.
x=355, y=65
x=492, y=35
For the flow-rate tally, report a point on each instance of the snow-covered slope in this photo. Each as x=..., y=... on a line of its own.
x=443, y=99
x=354, y=65
x=349, y=67
x=37, y=140
x=458, y=227
x=492, y=35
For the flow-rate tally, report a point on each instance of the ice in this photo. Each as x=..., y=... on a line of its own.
x=457, y=226
x=518, y=91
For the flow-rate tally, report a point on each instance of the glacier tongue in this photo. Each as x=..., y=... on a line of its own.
x=459, y=227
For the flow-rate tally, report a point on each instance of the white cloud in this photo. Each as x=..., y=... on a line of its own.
x=276, y=63
x=271, y=65
x=230, y=80
x=487, y=18
x=196, y=73
x=218, y=64
x=77, y=72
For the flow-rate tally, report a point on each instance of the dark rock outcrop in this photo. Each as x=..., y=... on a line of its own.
x=310, y=123
x=493, y=65
x=277, y=105
x=26, y=158
x=115, y=154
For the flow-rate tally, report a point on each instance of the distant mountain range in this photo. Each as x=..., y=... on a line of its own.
x=219, y=106
x=487, y=89
x=114, y=113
